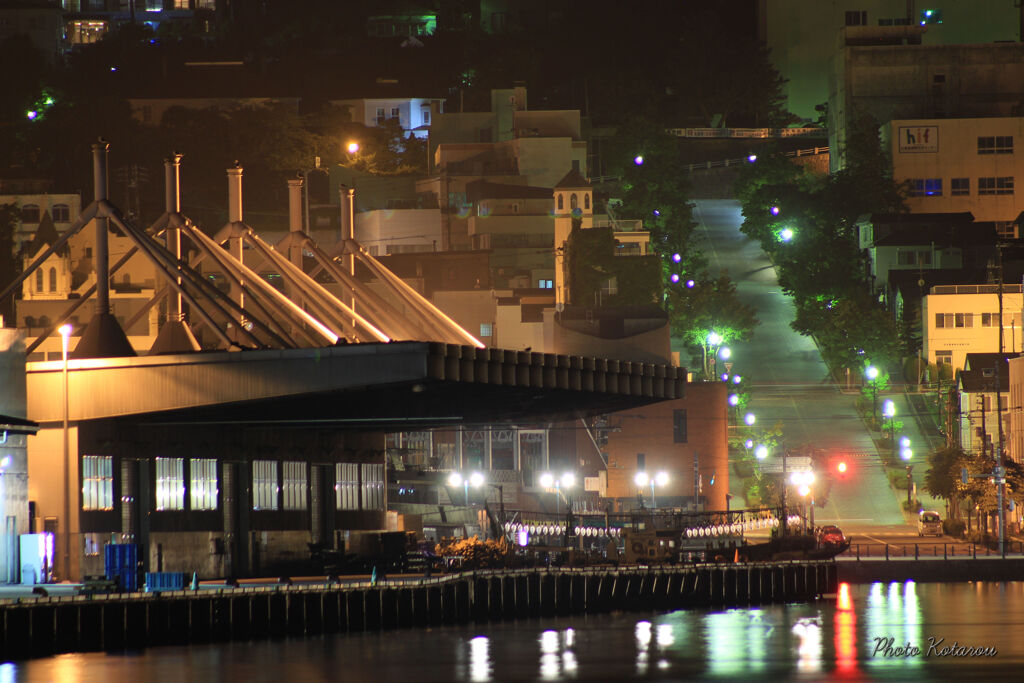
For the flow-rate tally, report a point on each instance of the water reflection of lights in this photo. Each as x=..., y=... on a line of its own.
x=479, y=659
x=894, y=613
x=665, y=637
x=643, y=643
x=557, y=658
x=737, y=641
x=809, y=649
x=845, y=632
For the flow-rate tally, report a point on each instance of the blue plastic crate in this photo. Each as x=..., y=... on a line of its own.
x=122, y=565
x=165, y=581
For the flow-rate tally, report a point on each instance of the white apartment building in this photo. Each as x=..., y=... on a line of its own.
x=962, y=319
x=956, y=165
x=414, y=114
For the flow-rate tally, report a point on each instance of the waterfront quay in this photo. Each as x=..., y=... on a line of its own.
x=45, y=625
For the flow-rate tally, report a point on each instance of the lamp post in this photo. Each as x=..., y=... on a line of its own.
x=713, y=340
x=65, y=333
x=642, y=479
x=871, y=372
x=456, y=479
x=804, y=481
x=889, y=412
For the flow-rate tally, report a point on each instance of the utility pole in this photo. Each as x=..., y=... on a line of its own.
x=1000, y=472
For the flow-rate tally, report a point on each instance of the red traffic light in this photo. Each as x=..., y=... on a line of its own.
x=841, y=467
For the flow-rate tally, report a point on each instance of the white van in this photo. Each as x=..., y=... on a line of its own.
x=929, y=523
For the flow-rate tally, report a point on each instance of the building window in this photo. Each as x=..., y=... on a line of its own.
x=346, y=487
x=679, y=426
x=486, y=329
x=641, y=462
x=856, y=18
x=294, y=485
x=264, y=485
x=53, y=279
x=999, y=144
x=989, y=319
x=97, y=482
x=926, y=187
x=963, y=319
x=545, y=284
x=1006, y=229
x=943, y=320
x=909, y=257
x=380, y=115
x=995, y=185
x=373, y=486
x=30, y=213
x=586, y=202
x=61, y=213
x=170, y=484
x=574, y=203
x=39, y=280
x=943, y=357
x=561, y=202
x=395, y=112
x=961, y=187
x=426, y=117
x=202, y=487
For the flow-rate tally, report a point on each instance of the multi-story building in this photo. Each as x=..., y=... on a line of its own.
x=962, y=319
x=909, y=82
x=978, y=382
x=959, y=164
x=414, y=114
x=922, y=242
x=802, y=35
x=62, y=209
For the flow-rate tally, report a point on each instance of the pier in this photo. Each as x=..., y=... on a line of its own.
x=46, y=625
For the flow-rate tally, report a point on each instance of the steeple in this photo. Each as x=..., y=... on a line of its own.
x=574, y=209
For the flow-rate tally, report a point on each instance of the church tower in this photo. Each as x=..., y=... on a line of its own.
x=574, y=210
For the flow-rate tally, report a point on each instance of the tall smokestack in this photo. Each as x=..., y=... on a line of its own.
x=295, y=204
x=172, y=204
x=99, y=190
x=235, y=194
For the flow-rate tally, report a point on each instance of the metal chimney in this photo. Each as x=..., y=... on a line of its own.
x=235, y=194
x=103, y=336
x=102, y=263
x=295, y=204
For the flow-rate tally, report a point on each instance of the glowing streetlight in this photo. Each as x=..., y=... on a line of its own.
x=638, y=160
x=65, y=334
x=775, y=211
x=761, y=452
x=714, y=338
x=750, y=419
x=352, y=147
x=725, y=353
x=642, y=479
x=871, y=372
x=734, y=400
x=786, y=234
x=547, y=480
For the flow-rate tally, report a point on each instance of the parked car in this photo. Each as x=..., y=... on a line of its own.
x=929, y=523
x=831, y=535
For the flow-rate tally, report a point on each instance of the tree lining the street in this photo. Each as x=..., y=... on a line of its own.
x=807, y=224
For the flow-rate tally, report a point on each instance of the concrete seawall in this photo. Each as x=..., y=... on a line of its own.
x=43, y=626
x=931, y=570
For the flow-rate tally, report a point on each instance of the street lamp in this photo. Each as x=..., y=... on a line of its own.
x=871, y=372
x=889, y=412
x=750, y=419
x=476, y=480
x=352, y=147
x=642, y=479
x=761, y=452
x=65, y=333
x=803, y=481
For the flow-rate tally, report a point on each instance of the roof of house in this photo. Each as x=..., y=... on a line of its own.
x=979, y=373
x=907, y=282
x=935, y=233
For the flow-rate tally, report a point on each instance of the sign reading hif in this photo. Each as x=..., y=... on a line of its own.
x=919, y=139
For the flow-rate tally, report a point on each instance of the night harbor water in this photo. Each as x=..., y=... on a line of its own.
x=887, y=631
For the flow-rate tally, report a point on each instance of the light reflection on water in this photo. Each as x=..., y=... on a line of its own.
x=832, y=638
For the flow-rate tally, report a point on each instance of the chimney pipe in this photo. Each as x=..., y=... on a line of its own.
x=295, y=204
x=172, y=204
x=99, y=185
x=235, y=194
x=172, y=180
